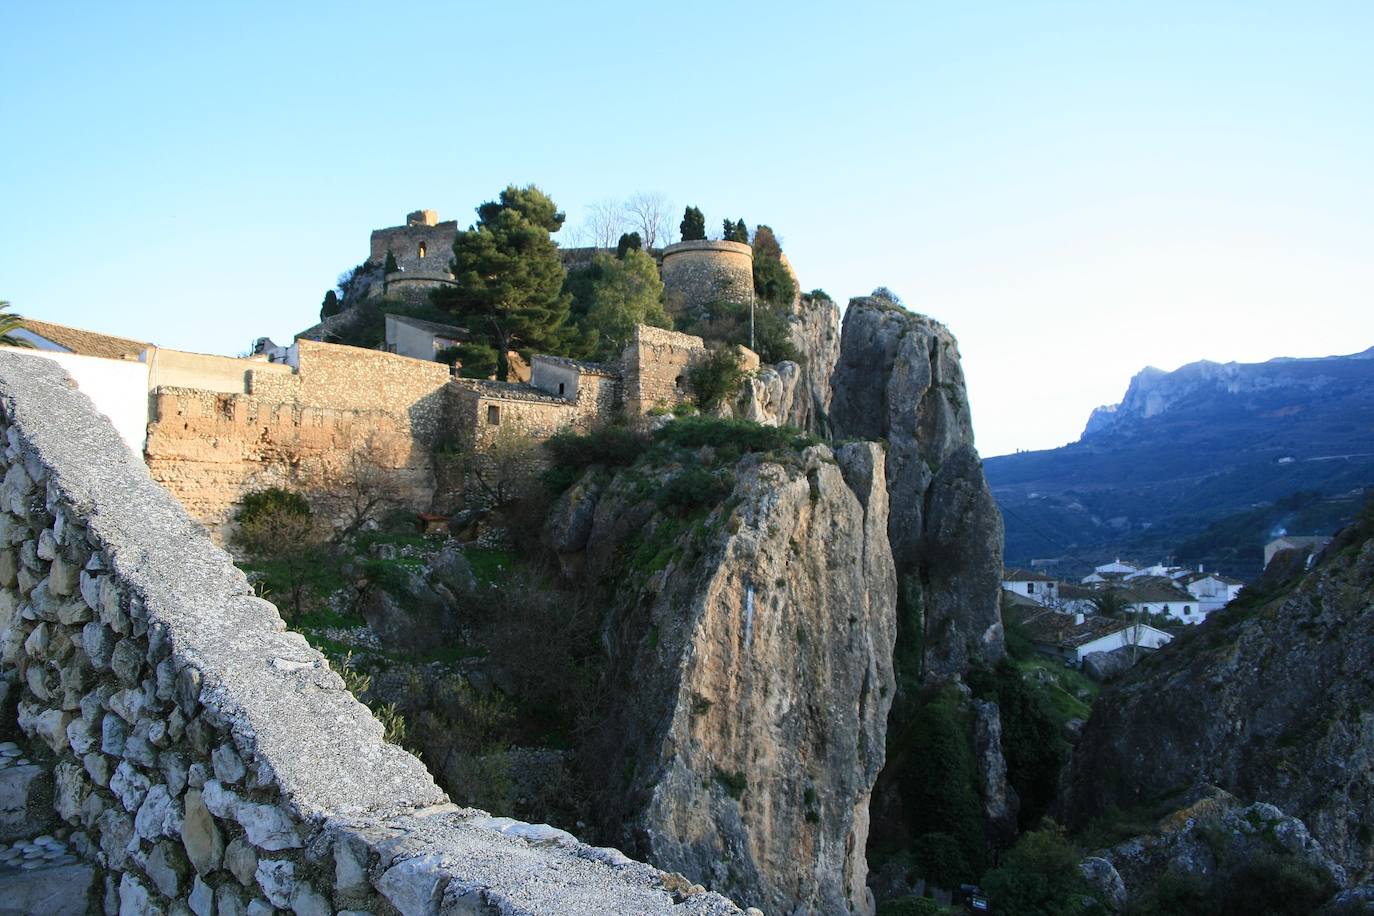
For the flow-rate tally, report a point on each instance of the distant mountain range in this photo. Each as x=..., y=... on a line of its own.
x=1203, y=464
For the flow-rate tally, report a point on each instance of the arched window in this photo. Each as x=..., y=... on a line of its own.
x=422, y=249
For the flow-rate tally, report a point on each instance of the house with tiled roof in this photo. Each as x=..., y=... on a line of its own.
x=1040, y=588
x=1071, y=637
x=1212, y=590
x=1159, y=595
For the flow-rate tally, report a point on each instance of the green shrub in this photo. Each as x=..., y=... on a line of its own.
x=913, y=906
x=693, y=225
x=743, y=435
x=610, y=447
x=1040, y=877
x=940, y=859
x=273, y=499
x=1031, y=739
x=693, y=488
x=716, y=379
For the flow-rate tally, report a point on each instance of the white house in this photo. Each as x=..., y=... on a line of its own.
x=420, y=339
x=1212, y=590
x=1040, y=588
x=1161, y=596
x=1070, y=637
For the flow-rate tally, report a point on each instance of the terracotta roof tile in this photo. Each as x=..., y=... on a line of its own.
x=86, y=343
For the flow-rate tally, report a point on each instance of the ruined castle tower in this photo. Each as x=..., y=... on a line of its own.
x=422, y=249
x=700, y=272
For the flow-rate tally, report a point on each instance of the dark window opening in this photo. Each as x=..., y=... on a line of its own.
x=493, y=415
x=561, y=386
x=680, y=383
x=422, y=249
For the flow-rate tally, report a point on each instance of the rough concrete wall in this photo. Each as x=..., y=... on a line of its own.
x=697, y=273
x=653, y=363
x=203, y=757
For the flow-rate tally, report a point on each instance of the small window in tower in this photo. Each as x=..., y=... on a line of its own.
x=493, y=415
x=422, y=249
x=561, y=387
x=680, y=383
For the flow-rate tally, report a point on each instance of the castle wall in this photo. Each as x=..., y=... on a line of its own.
x=178, y=369
x=656, y=365
x=300, y=430
x=202, y=758
x=700, y=272
x=404, y=244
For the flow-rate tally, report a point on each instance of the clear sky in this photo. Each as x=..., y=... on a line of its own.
x=1078, y=189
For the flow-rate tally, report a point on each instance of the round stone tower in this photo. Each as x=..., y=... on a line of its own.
x=700, y=272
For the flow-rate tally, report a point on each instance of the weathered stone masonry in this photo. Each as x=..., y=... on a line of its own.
x=203, y=758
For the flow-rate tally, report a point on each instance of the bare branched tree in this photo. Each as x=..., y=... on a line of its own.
x=497, y=466
x=605, y=222
x=359, y=484
x=650, y=214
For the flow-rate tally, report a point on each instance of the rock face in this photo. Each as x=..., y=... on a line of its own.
x=1269, y=701
x=816, y=335
x=898, y=378
x=1211, y=830
x=753, y=677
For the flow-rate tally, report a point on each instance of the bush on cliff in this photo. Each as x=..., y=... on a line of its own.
x=1040, y=877
x=1031, y=740
x=716, y=379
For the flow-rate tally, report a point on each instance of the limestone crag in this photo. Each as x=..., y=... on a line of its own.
x=815, y=332
x=1286, y=718
x=898, y=378
x=752, y=677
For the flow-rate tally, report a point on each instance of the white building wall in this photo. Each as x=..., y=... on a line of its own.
x=117, y=387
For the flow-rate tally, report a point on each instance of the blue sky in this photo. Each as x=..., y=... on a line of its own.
x=1077, y=189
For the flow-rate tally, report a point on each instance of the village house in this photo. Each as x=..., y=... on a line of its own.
x=1158, y=595
x=1071, y=637
x=1212, y=590
x=1040, y=588
x=420, y=339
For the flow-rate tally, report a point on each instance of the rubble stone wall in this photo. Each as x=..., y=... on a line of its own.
x=206, y=759
x=656, y=365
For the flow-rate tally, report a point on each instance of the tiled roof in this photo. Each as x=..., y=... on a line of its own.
x=86, y=343
x=1055, y=629
x=433, y=327
x=1151, y=591
x=511, y=391
x=583, y=366
x=1025, y=575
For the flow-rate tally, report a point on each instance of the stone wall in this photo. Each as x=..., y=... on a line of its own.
x=299, y=430
x=701, y=272
x=205, y=760
x=228, y=374
x=656, y=365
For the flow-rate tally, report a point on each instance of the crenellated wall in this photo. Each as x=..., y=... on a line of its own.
x=291, y=428
x=201, y=757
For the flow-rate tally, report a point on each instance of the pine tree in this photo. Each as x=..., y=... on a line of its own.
x=693, y=227
x=330, y=306
x=391, y=265
x=508, y=278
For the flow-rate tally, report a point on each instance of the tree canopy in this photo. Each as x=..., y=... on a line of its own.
x=508, y=279
x=735, y=232
x=693, y=227
x=610, y=297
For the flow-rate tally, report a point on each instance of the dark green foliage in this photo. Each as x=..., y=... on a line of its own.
x=609, y=297
x=734, y=783
x=1272, y=883
x=735, y=232
x=330, y=306
x=611, y=446
x=1031, y=739
x=391, y=265
x=1016, y=637
x=731, y=437
x=1040, y=877
x=693, y=226
x=717, y=378
x=693, y=488
x=772, y=281
x=817, y=295
x=259, y=503
x=728, y=323
x=629, y=241
x=913, y=906
x=940, y=859
x=508, y=278
x=939, y=786
x=477, y=360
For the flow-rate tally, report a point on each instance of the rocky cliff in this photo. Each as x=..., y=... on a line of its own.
x=749, y=671
x=1269, y=700
x=898, y=378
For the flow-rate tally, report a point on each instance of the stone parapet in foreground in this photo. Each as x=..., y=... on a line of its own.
x=202, y=756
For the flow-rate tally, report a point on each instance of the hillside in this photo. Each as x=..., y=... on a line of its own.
x=1223, y=445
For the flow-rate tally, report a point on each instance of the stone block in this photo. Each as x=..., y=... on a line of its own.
x=64, y=890
x=167, y=868
x=200, y=835
x=242, y=860
x=25, y=801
